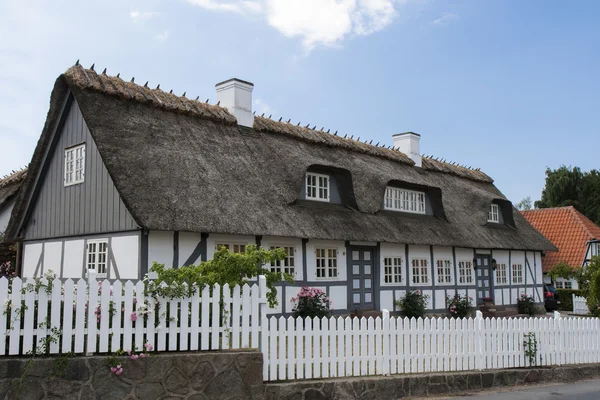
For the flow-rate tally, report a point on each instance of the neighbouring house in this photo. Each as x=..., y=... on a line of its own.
x=9, y=188
x=124, y=175
x=574, y=235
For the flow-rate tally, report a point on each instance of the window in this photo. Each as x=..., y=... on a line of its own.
x=326, y=263
x=494, y=214
x=317, y=187
x=392, y=269
x=234, y=248
x=74, y=165
x=97, y=254
x=517, y=273
x=558, y=285
x=404, y=200
x=501, y=274
x=420, y=270
x=568, y=285
x=444, y=271
x=465, y=272
x=288, y=264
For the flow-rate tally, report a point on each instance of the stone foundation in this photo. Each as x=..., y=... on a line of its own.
x=430, y=385
x=192, y=376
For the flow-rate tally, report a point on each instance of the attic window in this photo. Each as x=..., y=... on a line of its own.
x=75, y=165
x=494, y=213
x=317, y=187
x=404, y=200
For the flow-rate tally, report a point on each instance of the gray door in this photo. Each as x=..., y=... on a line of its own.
x=484, y=277
x=360, y=282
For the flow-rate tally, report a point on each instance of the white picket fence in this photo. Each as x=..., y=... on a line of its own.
x=91, y=317
x=335, y=347
x=580, y=306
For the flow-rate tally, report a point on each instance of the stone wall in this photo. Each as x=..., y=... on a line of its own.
x=192, y=376
x=430, y=385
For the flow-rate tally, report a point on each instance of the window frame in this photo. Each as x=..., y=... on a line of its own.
x=317, y=187
x=494, y=213
x=420, y=269
x=97, y=242
x=395, y=270
x=514, y=275
x=465, y=266
x=293, y=257
x=502, y=272
x=394, y=195
x=329, y=267
x=448, y=268
x=73, y=163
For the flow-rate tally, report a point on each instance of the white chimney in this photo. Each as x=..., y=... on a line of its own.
x=408, y=143
x=236, y=95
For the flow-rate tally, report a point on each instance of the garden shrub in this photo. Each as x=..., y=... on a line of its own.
x=526, y=304
x=566, y=298
x=413, y=304
x=460, y=306
x=591, y=281
x=311, y=302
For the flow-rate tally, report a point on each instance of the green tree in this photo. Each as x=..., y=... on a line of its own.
x=525, y=204
x=591, y=282
x=569, y=186
x=225, y=267
x=562, y=270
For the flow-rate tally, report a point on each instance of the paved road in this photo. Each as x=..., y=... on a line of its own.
x=585, y=390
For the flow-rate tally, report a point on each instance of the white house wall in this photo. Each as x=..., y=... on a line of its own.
x=5, y=215
x=66, y=257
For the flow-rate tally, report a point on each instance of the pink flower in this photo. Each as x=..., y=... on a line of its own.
x=134, y=356
x=148, y=347
x=134, y=316
x=113, y=369
x=128, y=352
x=143, y=355
x=119, y=372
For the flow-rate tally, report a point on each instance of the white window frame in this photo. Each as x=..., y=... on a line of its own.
x=423, y=278
x=280, y=265
x=318, y=187
x=465, y=272
x=393, y=269
x=501, y=274
x=445, y=278
x=95, y=263
x=568, y=284
x=494, y=213
x=74, y=165
x=404, y=200
x=517, y=278
x=329, y=257
x=559, y=285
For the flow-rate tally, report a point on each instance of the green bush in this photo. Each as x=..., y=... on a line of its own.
x=566, y=298
x=414, y=303
x=311, y=302
x=526, y=304
x=591, y=281
x=460, y=306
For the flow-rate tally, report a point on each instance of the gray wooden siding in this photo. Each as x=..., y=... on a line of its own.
x=93, y=206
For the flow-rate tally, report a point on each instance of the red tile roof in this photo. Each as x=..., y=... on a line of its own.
x=568, y=229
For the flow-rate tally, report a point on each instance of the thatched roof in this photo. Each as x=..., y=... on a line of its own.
x=184, y=165
x=10, y=185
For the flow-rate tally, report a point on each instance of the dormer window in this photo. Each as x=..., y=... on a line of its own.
x=74, y=165
x=405, y=200
x=494, y=213
x=317, y=187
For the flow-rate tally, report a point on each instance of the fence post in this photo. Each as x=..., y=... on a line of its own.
x=479, y=339
x=264, y=326
x=573, y=302
x=386, y=341
x=559, y=335
x=92, y=301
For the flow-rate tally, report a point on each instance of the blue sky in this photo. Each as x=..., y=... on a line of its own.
x=511, y=87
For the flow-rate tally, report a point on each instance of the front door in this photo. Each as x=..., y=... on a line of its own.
x=484, y=277
x=360, y=282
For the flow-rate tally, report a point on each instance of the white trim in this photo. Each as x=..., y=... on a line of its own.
x=393, y=271
x=318, y=187
x=421, y=268
x=494, y=213
x=327, y=257
x=95, y=262
x=77, y=173
x=397, y=199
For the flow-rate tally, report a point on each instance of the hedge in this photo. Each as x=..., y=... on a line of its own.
x=566, y=298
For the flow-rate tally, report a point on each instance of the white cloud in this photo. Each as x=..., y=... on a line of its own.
x=315, y=22
x=141, y=16
x=261, y=107
x=444, y=19
x=163, y=36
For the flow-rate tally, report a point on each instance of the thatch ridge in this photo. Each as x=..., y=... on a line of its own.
x=10, y=185
x=431, y=164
